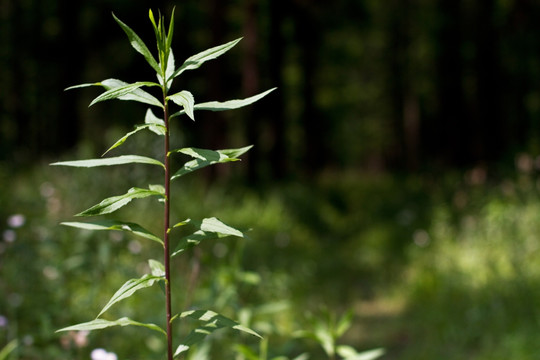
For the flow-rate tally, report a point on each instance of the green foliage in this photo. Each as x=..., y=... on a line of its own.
x=327, y=331
x=207, y=228
x=8, y=349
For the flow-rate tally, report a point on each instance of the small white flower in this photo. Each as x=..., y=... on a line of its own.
x=80, y=338
x=102, y=354
x=98, y=354
x=16, y=220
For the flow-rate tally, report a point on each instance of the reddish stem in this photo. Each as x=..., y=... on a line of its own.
x=166, y=231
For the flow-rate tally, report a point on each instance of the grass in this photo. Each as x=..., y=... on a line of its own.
x=443, y=268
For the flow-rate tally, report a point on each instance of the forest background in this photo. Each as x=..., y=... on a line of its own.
x=396, y=165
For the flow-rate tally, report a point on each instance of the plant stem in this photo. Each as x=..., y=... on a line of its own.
x=166, y=230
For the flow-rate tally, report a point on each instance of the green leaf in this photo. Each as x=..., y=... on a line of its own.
x=119, y=160
x=246, y=352
x=182, y=223
x=157, y=187
x=197, y=60
x=204, y=157
x=325, y=339
x=212, y=321
x=169, y=70
x=129, y=288
x=153, y=20
x=185, y=99
x=227, y=105
x=123, y=92
x=138, y=44
x=207, y=229
x=214, y=225
x=114, y=203
x=157, y=268
x=99, y=324
x=82, y=86
x=232, y=104
x=124, y=138
x=138, y=95
x=349, y=353
x=156, y=124
x=115, y=225
x=6, y=350
x=344, y=323
x=171, y=32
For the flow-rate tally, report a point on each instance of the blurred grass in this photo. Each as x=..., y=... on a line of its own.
x=434, y=267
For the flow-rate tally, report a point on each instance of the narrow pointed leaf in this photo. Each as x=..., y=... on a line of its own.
x=182, y=223
x=207, y=229
x=123, y=92
x=129, y=288
x=153, y=20
x=192, y=240
x=171, y=31
x=156, y=124
x=169, y=71
x=227, y=105
x=185, y=99
x=125, y=137
x=115, y=225
x=231, y=104
x=157, y=268
x=197, y=60
x=114, y=203
x=138, y=44
x=82, y=86
x=8, y=349
x=212, y=321
x=99, y=324
x=119, y=160
x=136, y=95
x=216, y=226
x=157, y=187
x=204, y=157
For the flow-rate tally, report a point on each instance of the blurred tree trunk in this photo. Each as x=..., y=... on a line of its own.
x=9, y=127
x=68, y=50
x=405, y=114
x=308, y=37
x=214, y=127
x=489, y=140
x=250, y=85
x=451, y=135
x=18, y=57
x=523, y=37
x=276, y=104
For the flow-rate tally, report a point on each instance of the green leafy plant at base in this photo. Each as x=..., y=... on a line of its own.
x=326, y=330
x=172, y=243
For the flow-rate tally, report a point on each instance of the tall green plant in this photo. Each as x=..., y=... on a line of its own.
x=203, y=229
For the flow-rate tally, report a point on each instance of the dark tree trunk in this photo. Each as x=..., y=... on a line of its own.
x=276, y=104
x=213, y=124
x=250, y=85
x=487, y=132
x=404, y=151
x=451, y=134
x=308, y=38
x=69, y=50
